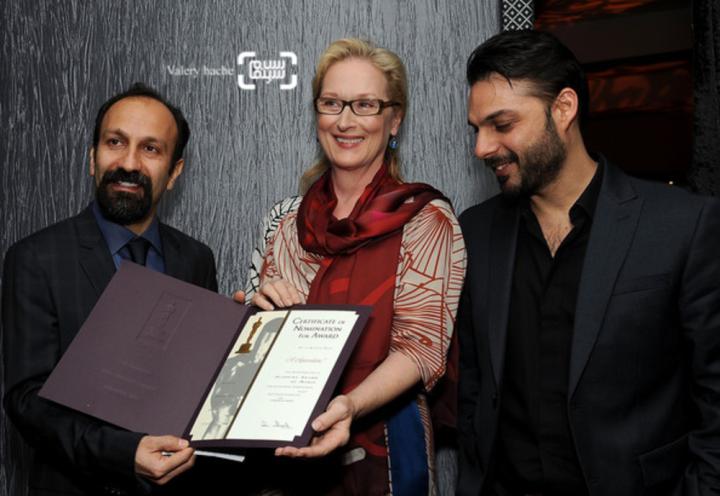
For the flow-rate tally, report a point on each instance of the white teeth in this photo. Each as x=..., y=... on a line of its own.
x=348, y=140
x=502, y=166
x=127, y=184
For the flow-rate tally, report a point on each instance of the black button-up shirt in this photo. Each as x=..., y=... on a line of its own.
x=536, y=449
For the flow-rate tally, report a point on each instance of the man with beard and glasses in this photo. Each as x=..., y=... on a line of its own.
x=590, y=318
x=53, y=278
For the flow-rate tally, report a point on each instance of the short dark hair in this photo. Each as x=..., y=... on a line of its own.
x=534, y=56
x=145, y=91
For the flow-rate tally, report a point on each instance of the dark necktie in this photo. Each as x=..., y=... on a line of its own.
x=138, y=248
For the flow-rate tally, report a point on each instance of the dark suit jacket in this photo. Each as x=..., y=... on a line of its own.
x=644, y=388
x=51, y=281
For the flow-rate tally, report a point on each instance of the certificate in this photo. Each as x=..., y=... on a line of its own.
x=271, y=380
x=282, y=400
x=189, y=362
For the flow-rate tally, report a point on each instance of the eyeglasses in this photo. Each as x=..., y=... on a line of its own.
x=362, y=107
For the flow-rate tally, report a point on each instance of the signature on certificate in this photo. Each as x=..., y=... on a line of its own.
x=275, y=424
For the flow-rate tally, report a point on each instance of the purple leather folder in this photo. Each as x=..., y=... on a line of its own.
x=150, y=350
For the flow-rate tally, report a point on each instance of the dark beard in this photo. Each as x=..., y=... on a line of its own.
x=540, y=164
x=121, y=207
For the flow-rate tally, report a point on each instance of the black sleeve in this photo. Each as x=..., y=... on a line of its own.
x=31, y=344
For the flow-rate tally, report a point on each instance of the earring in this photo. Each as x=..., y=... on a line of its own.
x=393, y=143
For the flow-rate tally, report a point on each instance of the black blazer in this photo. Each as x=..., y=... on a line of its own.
x=51, y=281
x=644, y=387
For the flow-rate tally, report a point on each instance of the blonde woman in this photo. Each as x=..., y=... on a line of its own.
x=361, y=235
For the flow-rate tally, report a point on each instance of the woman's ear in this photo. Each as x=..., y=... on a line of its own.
x=396, y=121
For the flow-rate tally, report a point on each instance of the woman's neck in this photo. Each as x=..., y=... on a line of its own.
x=349, y=185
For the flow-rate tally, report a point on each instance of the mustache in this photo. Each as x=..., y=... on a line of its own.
x=497, y=161
x=121, y=175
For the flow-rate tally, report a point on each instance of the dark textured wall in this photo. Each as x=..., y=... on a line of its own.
x=61, y=59
x=704, y=174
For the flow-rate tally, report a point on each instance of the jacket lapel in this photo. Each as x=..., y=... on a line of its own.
x=95, y=259
x=503, y=241
x=614, y=224
x=174, y=265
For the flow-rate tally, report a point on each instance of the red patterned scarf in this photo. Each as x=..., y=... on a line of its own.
x=360, y=265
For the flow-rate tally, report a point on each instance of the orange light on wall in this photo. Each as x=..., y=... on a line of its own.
x=555, y=12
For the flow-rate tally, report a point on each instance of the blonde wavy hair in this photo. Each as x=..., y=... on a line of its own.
x=385, y=61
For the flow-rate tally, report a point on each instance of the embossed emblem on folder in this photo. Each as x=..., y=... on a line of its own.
x=164, y=320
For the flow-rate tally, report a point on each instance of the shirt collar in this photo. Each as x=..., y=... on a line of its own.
x=116, y=236
x=584, y=204
x=588, y=199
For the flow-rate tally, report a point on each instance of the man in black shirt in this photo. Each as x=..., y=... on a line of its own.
x=590, y=321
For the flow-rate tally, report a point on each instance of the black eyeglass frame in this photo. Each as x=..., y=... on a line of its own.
x=382, y=105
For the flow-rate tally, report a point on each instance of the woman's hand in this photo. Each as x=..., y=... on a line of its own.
x=239, y=296
x=277, y=293
x=332, y=431
x=395, y=375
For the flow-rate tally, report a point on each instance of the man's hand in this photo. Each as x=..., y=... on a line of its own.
x=160, y=458
x=332, y=428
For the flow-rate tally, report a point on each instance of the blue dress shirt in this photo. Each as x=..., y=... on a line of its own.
x=117, y=236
